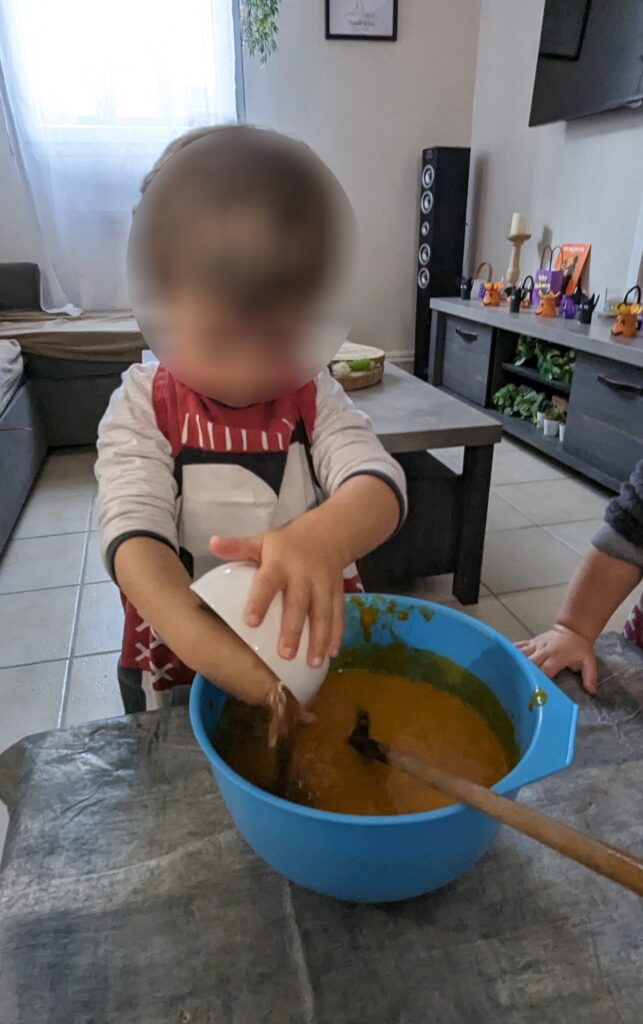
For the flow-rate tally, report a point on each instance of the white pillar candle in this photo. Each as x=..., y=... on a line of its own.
x=518, y=224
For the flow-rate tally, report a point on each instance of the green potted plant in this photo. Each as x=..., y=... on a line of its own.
x=525, y=350
x=561, y=427
x=553, y=417
x=504, y=398
x=528, y=402
x=552, y=364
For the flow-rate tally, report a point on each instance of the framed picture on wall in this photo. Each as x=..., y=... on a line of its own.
x=362, y=19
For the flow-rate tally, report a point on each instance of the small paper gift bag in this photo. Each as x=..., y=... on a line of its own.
x=547, y=280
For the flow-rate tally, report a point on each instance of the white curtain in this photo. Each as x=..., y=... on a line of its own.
x=93, y=90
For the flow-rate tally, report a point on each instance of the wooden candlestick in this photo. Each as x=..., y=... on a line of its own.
x=513, y=270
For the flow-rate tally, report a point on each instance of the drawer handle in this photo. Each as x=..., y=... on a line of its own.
x=466, y=335
x=620, y=385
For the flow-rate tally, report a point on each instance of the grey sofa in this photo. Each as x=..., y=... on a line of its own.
x=23, y=446
x=23, y=442
x=58, y=403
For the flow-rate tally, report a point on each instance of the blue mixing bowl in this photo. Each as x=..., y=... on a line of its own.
x=379, y=859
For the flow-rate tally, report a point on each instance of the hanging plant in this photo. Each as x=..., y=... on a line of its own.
x=259, y=27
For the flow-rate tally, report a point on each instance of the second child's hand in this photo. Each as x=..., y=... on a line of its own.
x=561, y=648
x=597, y=588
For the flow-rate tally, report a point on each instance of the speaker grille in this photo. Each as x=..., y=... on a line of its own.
x=428, y=176
x=441, y=206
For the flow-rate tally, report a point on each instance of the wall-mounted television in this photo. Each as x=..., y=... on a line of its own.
x=590, y=59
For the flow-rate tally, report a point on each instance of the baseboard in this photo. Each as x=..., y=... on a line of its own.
x=403, y=357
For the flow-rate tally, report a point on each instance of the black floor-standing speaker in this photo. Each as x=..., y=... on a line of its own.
x=444, y=181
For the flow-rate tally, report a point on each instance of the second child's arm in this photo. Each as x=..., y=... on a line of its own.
x=600, y=584
x=608, y=573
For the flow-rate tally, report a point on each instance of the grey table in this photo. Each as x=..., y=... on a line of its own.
x=409, y=417
x=127, y=897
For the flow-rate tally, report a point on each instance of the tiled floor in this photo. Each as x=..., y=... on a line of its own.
x=60, y=617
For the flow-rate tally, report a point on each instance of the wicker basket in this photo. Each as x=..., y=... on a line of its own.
x=354, y=380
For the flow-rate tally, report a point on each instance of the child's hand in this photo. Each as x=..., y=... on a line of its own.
x=306, y=560
x=560, y=648
x=306, y=564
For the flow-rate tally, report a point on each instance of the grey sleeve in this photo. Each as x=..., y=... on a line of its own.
x=625, y=512
x=607, y=540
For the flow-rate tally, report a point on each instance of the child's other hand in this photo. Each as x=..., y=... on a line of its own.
x=307, y=566
x=561, y=648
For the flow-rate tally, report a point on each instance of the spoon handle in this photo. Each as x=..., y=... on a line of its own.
x=620, y=866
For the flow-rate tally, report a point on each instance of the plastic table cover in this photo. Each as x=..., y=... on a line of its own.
x=128, y=897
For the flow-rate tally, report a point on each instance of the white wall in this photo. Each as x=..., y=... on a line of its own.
x=580, y=181
x=368, y=109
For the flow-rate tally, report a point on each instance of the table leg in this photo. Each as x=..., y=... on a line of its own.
x=476, y=479
x=436, y=349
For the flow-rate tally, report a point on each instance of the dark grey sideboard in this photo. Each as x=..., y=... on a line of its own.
x=471, y=356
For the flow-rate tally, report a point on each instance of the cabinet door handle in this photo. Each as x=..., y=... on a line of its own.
x=466, y=335
x=624, y=386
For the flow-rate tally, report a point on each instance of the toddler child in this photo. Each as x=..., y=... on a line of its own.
x=609, y=571
x=226, y=449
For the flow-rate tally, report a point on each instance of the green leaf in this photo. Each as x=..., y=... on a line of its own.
x=528, y=402
x=259, y=27
x=525, y=350
x=505, y=397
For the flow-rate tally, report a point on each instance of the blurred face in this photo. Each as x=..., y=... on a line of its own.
x=236, y=359
x=233, y=222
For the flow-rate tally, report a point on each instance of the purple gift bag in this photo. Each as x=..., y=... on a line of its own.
x=545, y=279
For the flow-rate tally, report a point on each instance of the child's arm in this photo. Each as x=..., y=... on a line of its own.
x=158, y=585
x=599, y=585
x=607, y=574
x=137, y=518
x=305, y=559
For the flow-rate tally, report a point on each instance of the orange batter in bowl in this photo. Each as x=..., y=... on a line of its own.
x=324, y=770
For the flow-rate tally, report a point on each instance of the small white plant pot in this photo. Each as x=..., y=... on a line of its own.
x=540, y=419
x=561, y=431
x=550, y=427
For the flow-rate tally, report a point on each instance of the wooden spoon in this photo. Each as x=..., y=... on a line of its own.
x=620, y=866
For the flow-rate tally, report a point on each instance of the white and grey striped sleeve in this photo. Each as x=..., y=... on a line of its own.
x=345, y=444
x=137, y=492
